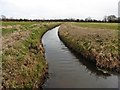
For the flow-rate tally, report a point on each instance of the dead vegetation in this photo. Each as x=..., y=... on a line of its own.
x=23, y=61
x=98, y=45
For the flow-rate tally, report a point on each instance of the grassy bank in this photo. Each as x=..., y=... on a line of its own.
x=113, y=26
x=98, y=42
x=23, y=61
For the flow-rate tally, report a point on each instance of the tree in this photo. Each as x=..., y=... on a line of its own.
x=105, y=18
x=88, y=19
x=118, y=19
x=112, y=18
x=3, y=17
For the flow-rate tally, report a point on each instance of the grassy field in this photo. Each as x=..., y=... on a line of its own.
x=98, y=42
x=10, y=27
x=113, y=26
x=23, y=61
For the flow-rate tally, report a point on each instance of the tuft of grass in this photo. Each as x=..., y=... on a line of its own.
x=8, y=31
x=96, y=44
x=24, y=64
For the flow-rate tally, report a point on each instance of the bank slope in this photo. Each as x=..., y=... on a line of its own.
x=98, y=45
x=23, y=61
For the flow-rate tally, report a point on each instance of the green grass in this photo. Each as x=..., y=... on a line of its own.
x=96, y=42
x=113, y=26
x=14, y=27
x=8, y=31
x=17, y=23
x=24, y=62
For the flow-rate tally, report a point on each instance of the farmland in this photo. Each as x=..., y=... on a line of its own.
x=23, y=61
x=23, y=57
x=98, y=42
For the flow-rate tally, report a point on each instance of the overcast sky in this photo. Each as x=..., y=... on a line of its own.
x=49, y=9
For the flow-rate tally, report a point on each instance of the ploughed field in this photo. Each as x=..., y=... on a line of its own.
x=23, y=61
x=98, y=42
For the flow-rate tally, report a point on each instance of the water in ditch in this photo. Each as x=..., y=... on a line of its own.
x=68, y=71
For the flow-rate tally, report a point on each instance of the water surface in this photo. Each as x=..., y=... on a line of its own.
x=68, y=71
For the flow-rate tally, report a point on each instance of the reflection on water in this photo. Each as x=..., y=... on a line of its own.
x=68, y=71
x=94, y=70
x=119, y=82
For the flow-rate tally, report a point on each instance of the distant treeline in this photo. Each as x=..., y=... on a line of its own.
x=111, y=18
x=59, y=20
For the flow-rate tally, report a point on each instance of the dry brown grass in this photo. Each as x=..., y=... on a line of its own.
x=23, y=61
x=98, y=45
